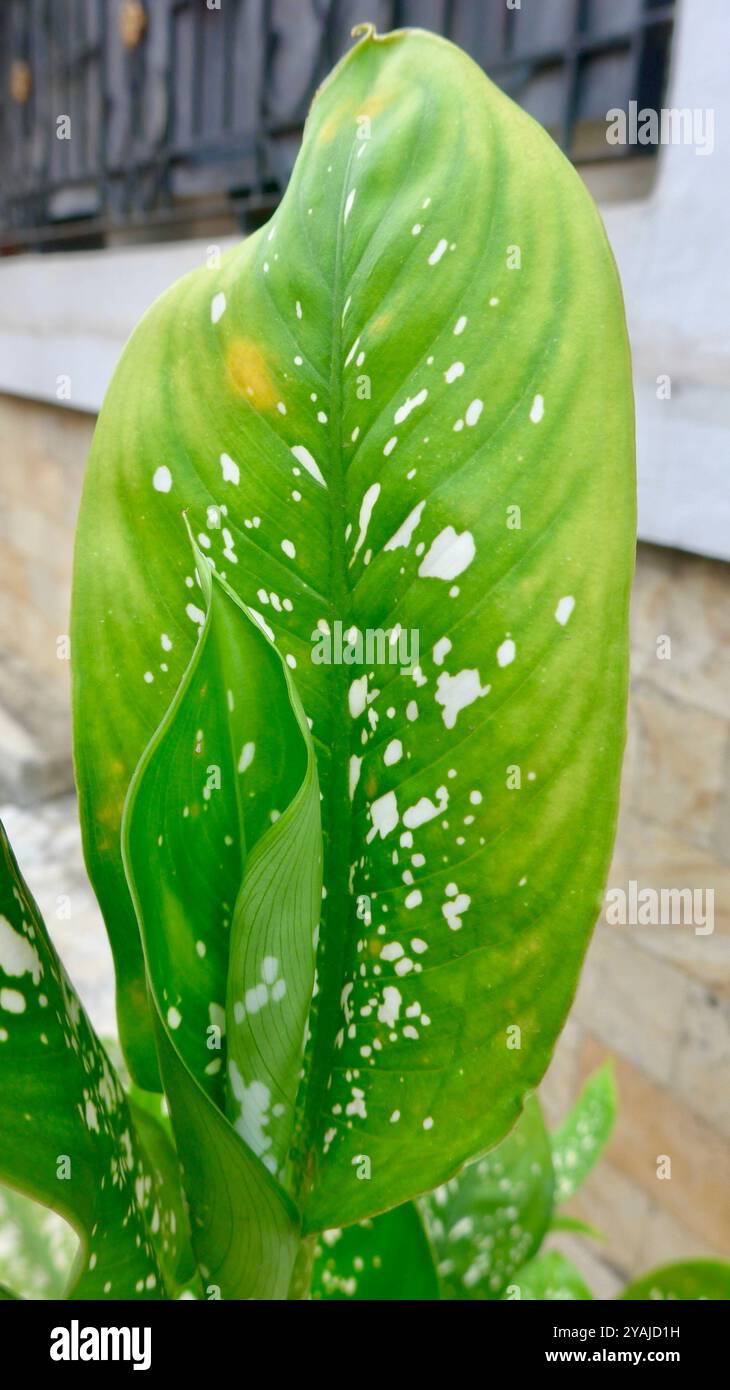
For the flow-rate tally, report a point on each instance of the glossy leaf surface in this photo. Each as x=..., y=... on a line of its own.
x=403, y=407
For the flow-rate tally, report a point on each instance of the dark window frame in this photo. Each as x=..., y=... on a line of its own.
x=146, y=164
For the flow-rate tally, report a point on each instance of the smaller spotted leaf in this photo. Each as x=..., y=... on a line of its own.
x=67, y=1138
x=580, y=1140
x=549, y=1277
x=382, y=1258
x=490, y=1220
x=687, y=1279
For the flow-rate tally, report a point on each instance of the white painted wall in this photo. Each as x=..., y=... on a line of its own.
x=672, y=251
x=71, y=313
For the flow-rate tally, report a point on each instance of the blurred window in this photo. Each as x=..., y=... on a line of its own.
x=145, y=118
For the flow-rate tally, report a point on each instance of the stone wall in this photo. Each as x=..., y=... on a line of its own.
x=44, y=451
x=655, y=998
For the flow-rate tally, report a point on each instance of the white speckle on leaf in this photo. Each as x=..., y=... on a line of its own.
x=455, y=693
x=162, y=479
x=424, y=809
x=12, y=1001
x=537, y=411
x=453, y=908
x=384, y=815
x=389, y=1010
x=303, y=456
x=393, y=752
x=230, y=470
x=355, y=765
x=564, y=609
x=366, y=511
x=17, y=955
x=357, y=696
x=506, y=652
x=403, y=535
x=217, y=307
x=448, y=555
x=247, y=756
x=408, y=405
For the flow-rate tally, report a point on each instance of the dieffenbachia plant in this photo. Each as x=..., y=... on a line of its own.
x=350, y=659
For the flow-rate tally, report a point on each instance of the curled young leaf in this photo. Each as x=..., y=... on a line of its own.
x=224, y=864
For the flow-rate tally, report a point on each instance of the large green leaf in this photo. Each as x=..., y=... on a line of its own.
x=580, y=1140
x=688, y=1279
x=66, y=1136
x=382, y=1258
x=374, y=418
x=491, y=1219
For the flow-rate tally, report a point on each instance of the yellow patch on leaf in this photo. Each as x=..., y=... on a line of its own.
x=249, y=374
x=350, y=114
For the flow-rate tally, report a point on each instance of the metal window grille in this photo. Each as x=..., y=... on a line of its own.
x=181, y=112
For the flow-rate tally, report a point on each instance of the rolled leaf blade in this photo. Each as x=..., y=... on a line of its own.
x=198, y=896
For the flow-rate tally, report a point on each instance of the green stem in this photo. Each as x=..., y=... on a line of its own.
x=301, y=1277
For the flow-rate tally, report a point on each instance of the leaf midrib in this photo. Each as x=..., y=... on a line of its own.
x=337, y=811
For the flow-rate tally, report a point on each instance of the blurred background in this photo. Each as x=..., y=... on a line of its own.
x=136, y=136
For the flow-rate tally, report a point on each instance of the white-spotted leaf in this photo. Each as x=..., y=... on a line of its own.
x=399, y=421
